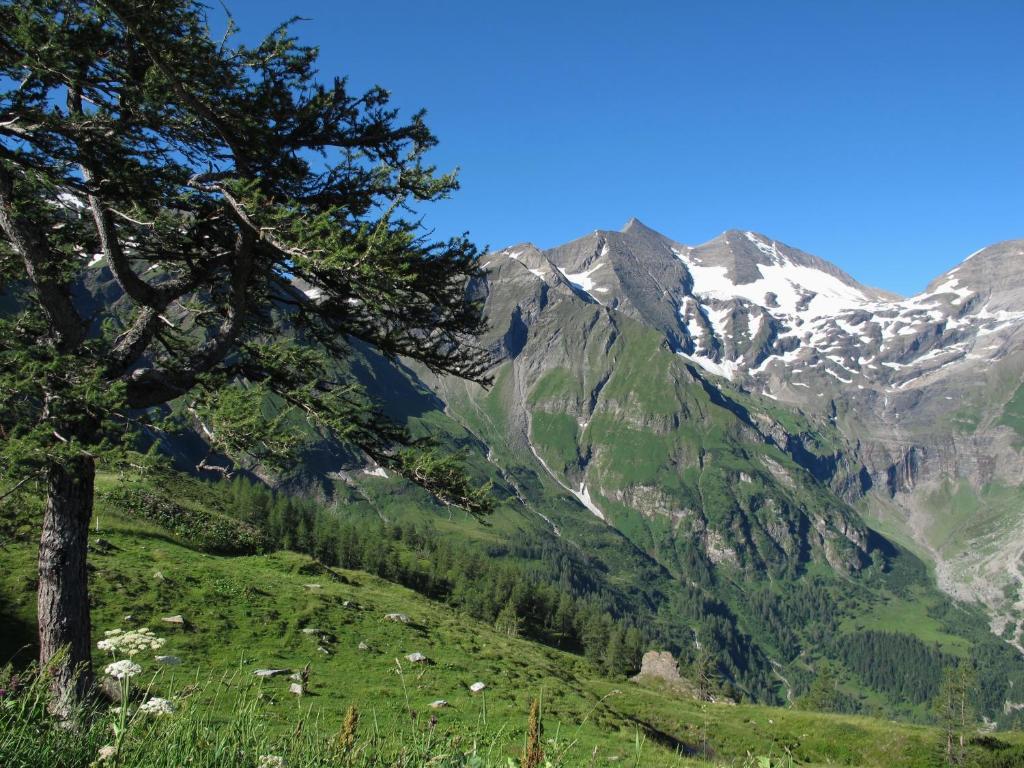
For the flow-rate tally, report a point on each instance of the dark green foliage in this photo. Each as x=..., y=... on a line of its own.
x=210, y=176
x=805, y=611
x=893, y=663
x=824, y=694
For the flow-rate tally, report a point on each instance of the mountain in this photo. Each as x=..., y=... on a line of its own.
x=924, y=392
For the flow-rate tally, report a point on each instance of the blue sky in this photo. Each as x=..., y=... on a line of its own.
x=887, y=137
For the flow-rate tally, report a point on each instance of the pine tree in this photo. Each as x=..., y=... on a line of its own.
x=615, y=660
x=634, y=648
x=209, y=179
x=954, y=711
x=823, y=695
x=704, y=672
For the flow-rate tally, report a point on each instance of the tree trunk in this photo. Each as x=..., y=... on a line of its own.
x=63, y=581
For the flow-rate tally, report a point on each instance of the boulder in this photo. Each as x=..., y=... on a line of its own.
x=363, y=646
x=399, y=617
x=169, y=660
x=477, y=687
x=439, y=704
x=297, y=688
x=177, y=620
x=660, y=665
x=418, y=658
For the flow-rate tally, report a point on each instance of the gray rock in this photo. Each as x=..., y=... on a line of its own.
x=399, y=617
x=176, y=620
x=477, y=687
x=418, y=658
x=439, y=704
x=169, y=660
x=271, y=672
x=660, y=665
x=297, y=688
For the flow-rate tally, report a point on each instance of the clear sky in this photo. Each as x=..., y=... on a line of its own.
x=884, y=135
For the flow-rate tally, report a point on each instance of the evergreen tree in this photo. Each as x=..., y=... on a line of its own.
x=564, y=617
x=704, y=672
x=208, y=178
x=634, y=643
x=616, y=662
x=954, y=711
x=823, y=695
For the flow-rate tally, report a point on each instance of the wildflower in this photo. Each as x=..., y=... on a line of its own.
x=156, y=707
x=122, y=670
x=270, y=761
x=107, y=752
x=130, y=643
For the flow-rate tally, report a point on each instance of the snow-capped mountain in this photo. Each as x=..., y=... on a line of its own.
x=752, y=309
x=925, y=388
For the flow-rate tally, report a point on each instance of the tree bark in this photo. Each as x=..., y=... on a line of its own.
x=63, y=581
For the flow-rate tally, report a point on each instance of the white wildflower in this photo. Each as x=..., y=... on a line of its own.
x=121, y=670
x=156, y=707
x=130, y=643
x=270, y=761
x=107, y=752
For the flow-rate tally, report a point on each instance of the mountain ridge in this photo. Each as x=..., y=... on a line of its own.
x=922, y=388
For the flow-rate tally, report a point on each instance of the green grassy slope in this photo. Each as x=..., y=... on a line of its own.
x=249, y=612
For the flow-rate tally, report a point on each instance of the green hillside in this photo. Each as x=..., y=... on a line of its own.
x=248, y=612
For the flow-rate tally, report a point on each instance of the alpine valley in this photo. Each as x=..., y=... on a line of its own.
x=737, y=446
x=732, y=449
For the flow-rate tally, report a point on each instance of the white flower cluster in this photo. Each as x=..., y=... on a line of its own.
x=122, y=670
x=156, y=707
x=129, y=643
x=107, y=752
x=270, y=761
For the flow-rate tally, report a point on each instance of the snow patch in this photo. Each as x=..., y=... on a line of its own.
x=583, y=496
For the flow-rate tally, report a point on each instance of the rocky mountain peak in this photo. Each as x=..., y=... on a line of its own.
x=995, y=272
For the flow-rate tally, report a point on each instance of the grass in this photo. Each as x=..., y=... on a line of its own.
x=249, y=612
x=909, y=616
